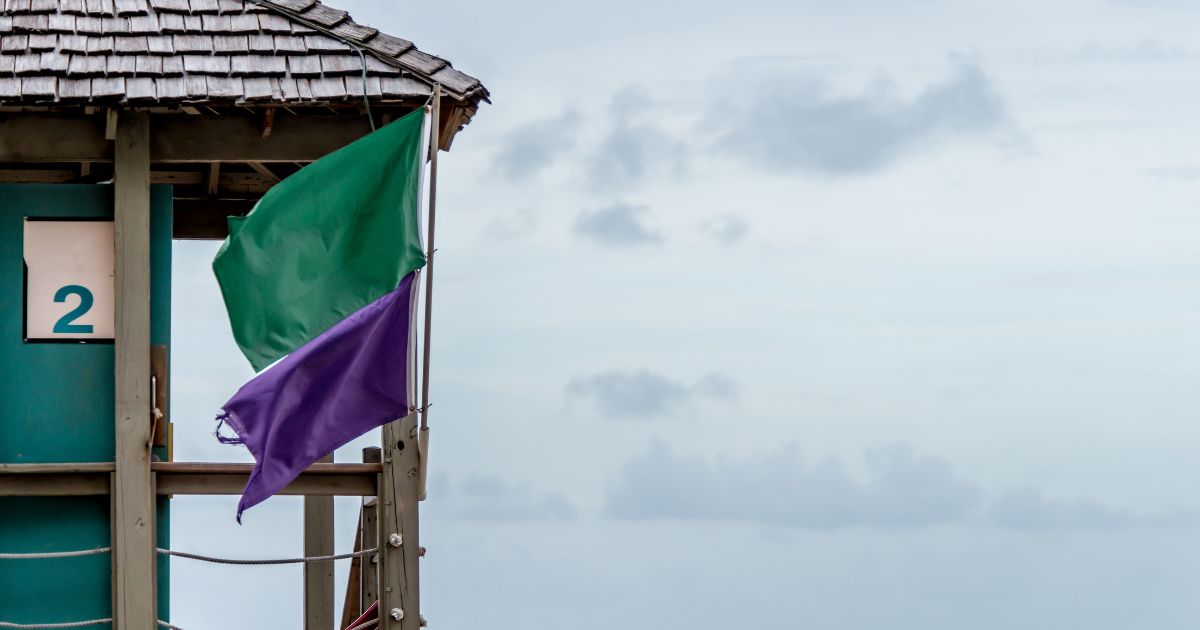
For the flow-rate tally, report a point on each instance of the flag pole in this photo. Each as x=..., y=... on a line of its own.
x=423, y=434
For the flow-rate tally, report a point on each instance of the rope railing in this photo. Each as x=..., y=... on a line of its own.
x=52, y=555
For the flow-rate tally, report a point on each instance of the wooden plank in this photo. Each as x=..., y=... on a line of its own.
x=234, y=484
x=133, y=493
x=351, y=608
x=39, y=138
x=54, y=485
x=369, y=579
x=399, y=594
x=318, y=576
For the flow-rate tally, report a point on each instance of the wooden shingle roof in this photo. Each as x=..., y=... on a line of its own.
x=177, y=52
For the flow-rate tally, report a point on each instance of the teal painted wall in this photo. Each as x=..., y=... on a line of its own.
x=56, y=405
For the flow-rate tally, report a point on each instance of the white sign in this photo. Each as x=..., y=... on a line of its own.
x=69, y=290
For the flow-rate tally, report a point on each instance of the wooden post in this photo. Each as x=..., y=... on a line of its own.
x=318, y=576
x=399, y=540
x=370, y=534
x=133, y=556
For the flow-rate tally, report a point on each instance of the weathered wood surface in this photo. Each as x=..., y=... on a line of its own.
x=83, y=479
x=399, y=594
x=318, y=576
x=133, y=492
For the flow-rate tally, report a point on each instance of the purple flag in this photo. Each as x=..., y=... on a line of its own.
x=354, y=377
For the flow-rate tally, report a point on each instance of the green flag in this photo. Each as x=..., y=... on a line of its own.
x=325, y=242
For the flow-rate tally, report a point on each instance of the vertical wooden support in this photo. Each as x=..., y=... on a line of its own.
x=399, y=540
x=369, y=579
x=318, y=576
x=133, y=556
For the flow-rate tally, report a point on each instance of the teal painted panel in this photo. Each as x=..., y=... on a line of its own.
x=56, y=405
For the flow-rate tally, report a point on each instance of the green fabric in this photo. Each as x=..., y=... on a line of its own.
x=325, y=242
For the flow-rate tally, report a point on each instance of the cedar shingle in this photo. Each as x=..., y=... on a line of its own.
x=257, y=65
x=60, y=23
x=171, y=89
x=216, y=24
x=304, y=66
x=10, y=88
x=262, y=43
x=224, y=87
x=54, y=61
x=355, y=32
x=421, y=62
x=140, y=89
x=388, y=45
x=88, y=25
x=193, y=43
x=257, y=89
x=324, y=15
x=39, y=86
x=454, y=80
x=144, y=24
x=289, y=44
x=108, y=87
x=70, y=6
x=44, y=6
x=5, y=23
x=173, y=6
x=204, y=6
x=31, y=23
x=400, y=87
x=172, y=66
x=73, y=43
x=43, y=42
x=14, y=43
x=229, y=6
x=85, y=66
x=115, y=25
x=340, y=65
x=231, y=44
x=377, y=67
x=99, y=45
x=27, y=64
x=321, y=43
x=171, y=23
x=120, y=64
x=99, y=7
x=354, y=86
x=206, y=64
x=7, y=63
x=193, y=24
x=197, y=87
x=132, y=7
x=297, y=6
x=271, y=23
x=74, y=88
x=148, y=65
x=160, y=45
x=328, y=88
x=243, y=23
x=130, y=45
x=16, y=6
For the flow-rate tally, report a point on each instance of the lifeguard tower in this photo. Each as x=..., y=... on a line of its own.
x=125, y=124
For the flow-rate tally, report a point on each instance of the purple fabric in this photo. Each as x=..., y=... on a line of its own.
x=352, y=378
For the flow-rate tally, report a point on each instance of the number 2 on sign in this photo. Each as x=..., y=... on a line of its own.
x=65, y=324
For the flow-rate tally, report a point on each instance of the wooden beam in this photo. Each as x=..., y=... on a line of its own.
x=318, y=576
x=133, y=553
x=262, y=169
x=31, y=138
x=238, y=138
x=214, y=178
x=184, y=478
x=39, y=138
x=399, y=594
x=370, y=530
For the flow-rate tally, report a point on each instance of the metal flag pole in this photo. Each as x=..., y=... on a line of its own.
x=423, y=434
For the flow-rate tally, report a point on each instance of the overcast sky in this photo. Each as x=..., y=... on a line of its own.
x=783, y=314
